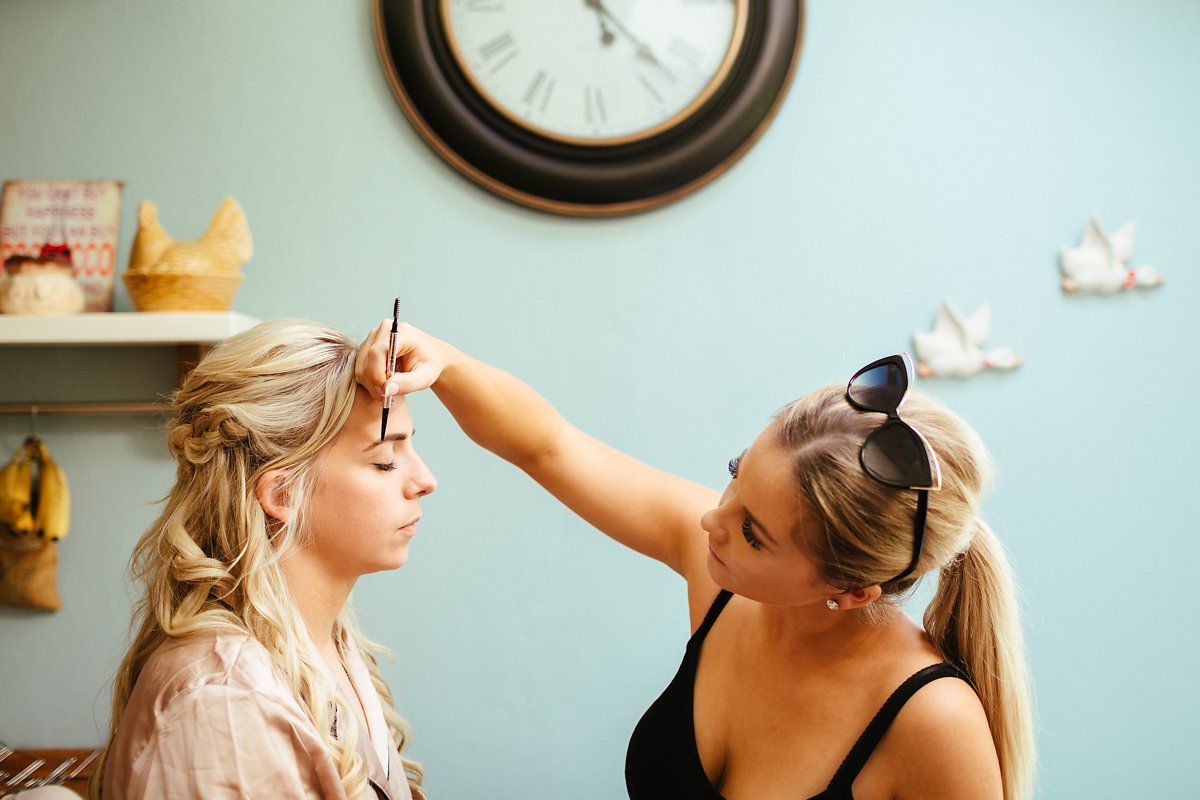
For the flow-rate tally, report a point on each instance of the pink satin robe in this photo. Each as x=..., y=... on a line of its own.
x=210, y=717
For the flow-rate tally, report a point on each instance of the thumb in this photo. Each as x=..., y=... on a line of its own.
x=420, y=375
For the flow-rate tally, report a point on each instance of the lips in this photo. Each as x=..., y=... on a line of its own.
x=411, y=527
x=716, y=557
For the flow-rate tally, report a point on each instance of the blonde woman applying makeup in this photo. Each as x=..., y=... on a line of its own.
x=247, y=676
x=803, y=677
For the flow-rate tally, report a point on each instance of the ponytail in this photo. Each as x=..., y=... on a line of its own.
x=973, y=622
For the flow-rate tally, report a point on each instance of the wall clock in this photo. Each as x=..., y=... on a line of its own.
x=589, y=107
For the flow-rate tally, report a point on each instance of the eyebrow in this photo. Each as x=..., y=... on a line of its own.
x=391, y=437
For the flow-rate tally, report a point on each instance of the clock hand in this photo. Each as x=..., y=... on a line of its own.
x=606, y=36
x=602, y=10
x=642, y=49
x=646, y=54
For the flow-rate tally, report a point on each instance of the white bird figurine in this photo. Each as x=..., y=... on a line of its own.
x=954, y=347
x=1099, y=264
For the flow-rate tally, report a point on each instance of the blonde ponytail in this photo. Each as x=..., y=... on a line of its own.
x=865, y=538
x=973, y=620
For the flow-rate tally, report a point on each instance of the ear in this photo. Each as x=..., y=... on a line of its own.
x=857, y=598
x=271, y=495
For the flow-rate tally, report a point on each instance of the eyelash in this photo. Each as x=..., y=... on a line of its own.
x=388, y=467
x=752, y=540
x=747, y=530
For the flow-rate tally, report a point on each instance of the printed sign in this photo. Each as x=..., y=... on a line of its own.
x=38, y=217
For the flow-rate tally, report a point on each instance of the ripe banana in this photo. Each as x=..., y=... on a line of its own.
x=16, y=492
x=54, y=499
x=34, y=497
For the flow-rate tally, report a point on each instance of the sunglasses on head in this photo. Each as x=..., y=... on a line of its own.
x=895, y=453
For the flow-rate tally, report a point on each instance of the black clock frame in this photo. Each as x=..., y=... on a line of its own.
x=585, y=180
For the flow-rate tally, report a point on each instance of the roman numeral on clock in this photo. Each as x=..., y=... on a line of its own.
x=685, y=52
x=499, y=50
x=593, y=105
x=541, y=86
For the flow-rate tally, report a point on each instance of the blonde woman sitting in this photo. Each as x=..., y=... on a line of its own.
x=247, y=677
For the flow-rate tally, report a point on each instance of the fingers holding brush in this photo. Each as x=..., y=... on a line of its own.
x=371, y=363
x=418, y=361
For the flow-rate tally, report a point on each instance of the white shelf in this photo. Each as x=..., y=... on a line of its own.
x=123, y=328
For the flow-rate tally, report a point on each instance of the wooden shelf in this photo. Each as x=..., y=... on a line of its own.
x=190, y=332
x=117, y=328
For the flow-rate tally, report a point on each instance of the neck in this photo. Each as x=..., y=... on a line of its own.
x=319, y=597
x=815, y=635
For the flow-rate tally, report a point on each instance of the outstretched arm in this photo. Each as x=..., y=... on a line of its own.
x=648, y=510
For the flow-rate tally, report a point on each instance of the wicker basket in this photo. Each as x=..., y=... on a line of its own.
x=182, y=291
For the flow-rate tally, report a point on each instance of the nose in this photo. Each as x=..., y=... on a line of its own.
x=708, y=521
x=420, y=482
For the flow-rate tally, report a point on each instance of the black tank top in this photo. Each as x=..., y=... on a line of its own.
x=662, y=760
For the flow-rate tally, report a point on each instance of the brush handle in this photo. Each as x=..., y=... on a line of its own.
x=390, y=368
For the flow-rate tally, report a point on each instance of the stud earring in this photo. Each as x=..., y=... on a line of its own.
x=832, y=605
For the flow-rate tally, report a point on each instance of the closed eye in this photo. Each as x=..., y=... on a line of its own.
x=386, y=466
x=748, y=532
x=733, y=466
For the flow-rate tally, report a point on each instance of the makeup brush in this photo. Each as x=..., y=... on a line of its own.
x=391, y=366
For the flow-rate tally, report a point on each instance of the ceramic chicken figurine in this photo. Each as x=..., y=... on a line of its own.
x=1098, y=264
x=954, y=347
x=222, y=249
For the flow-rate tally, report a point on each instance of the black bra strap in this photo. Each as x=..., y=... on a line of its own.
x=856, y=759
x=714, y=611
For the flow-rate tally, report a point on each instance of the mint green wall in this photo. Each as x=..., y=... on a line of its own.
x=927, y=150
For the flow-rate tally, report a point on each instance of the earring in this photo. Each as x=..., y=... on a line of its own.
x=832, y=605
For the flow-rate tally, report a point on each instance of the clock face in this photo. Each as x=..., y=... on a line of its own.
x=589, y=107
x=595, y=72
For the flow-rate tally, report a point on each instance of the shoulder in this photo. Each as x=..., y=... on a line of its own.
x=219, y=716
x=229, y=659
x=940, y=744
x=204, y=670
x=947, y=704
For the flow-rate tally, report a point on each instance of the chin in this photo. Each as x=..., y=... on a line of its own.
x=719, y=574
x=393, y=560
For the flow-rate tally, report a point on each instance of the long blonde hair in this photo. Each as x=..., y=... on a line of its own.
x=273, y=397
x=866, y=539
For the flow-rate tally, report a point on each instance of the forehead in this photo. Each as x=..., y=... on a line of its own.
x=767, y=484
x=366, y=415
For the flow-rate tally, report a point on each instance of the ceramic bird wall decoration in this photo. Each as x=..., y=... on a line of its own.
x=1099, y=265
x=954, y=348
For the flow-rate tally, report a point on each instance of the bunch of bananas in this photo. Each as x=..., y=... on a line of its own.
x=34, y=498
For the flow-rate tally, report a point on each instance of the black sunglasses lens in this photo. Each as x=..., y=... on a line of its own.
x=895, y=455
x=880, y=388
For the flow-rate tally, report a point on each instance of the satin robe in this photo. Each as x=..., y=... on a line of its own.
x=210, y=717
